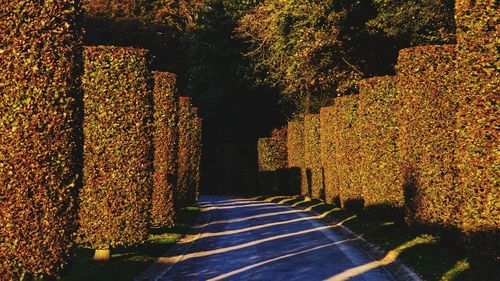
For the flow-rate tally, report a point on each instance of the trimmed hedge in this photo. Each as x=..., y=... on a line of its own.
x=194, y=154
x=347, y=151
x=312, y=156
x=427, y=140
x=165, y=141
x=273, y=152
x=380, y=171
x=118, y=150
x=40, y=108
x=197, y=154
x=327, y=148
x=273, y=163
x=184, y=152
x=478, y=30
x=295, y=150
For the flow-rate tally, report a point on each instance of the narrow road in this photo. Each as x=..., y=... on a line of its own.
x=242, y=239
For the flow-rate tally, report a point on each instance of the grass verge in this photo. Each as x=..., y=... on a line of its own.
x=126, y=263
x=431, y=253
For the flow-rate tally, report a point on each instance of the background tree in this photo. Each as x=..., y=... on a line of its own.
x=314, y=50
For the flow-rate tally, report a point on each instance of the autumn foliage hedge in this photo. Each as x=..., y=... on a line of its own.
x=295, y=151
x=166, y=108
x=478, y=30
x=188, y=153
x=379, y=170
x=183, y=152
x=327, y=150
x=273, y=163
x=197, y=154
x=40, y=108
x=427, y=140
x=194, y=155
x=347, y=151
x=312, y=156
x=118, y=152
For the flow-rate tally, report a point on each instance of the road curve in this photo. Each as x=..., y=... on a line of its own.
x=241, y=239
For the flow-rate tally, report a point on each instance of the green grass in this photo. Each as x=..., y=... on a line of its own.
x=129, y=262
x=427, y=251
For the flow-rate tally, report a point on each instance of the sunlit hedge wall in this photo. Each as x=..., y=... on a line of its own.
x=273, y=151
x=118, y=148
x=379, y=170
x=347, y=151
x=197, y=154
x=273, y=163
x=327, y=149
x=40, y=60
x=427, y=135
x=166, y=108
x=184, y=152
x=478, y=30
x=295, y=150
x=312, y=156
x=194, y=154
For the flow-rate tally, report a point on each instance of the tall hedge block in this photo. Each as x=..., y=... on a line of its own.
x=118, y=148
x=380, y=172
x=347, y=158
x=40, y=108
x=194, y=152
x=327, y=148
x=273, y=162
x=312, y=156
x=184, y=152
x=273, y=151
x=166, y=116
x=295, y=150
x=197, y=154
x=478, y=30
x=478, y=138
x=427, y=136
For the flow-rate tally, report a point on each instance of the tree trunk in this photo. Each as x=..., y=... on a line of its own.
x=102, y=255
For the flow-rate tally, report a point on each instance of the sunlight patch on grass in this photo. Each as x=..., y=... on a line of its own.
x=454, y=272
x=287, y=200
x=165, y=238
x=310, y=208
x=271, y=199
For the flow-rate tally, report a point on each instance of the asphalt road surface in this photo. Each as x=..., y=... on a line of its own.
x=241, y=239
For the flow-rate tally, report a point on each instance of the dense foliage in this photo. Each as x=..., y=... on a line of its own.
x=188, y=153
x=273, y=163
x=414, y=22
x=478, y=54
x=196, y=155
x=320, y=49
x=40, y=107
x=299, y=45
x=273, y=153
x=166, y=108
x=312, y=156
x=295, y=151
x=327, y=150
x=427, y=142
x=380, y=172
x=347, y=158
x=118, y=149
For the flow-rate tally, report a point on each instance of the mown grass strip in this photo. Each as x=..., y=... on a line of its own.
x=129, y=262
